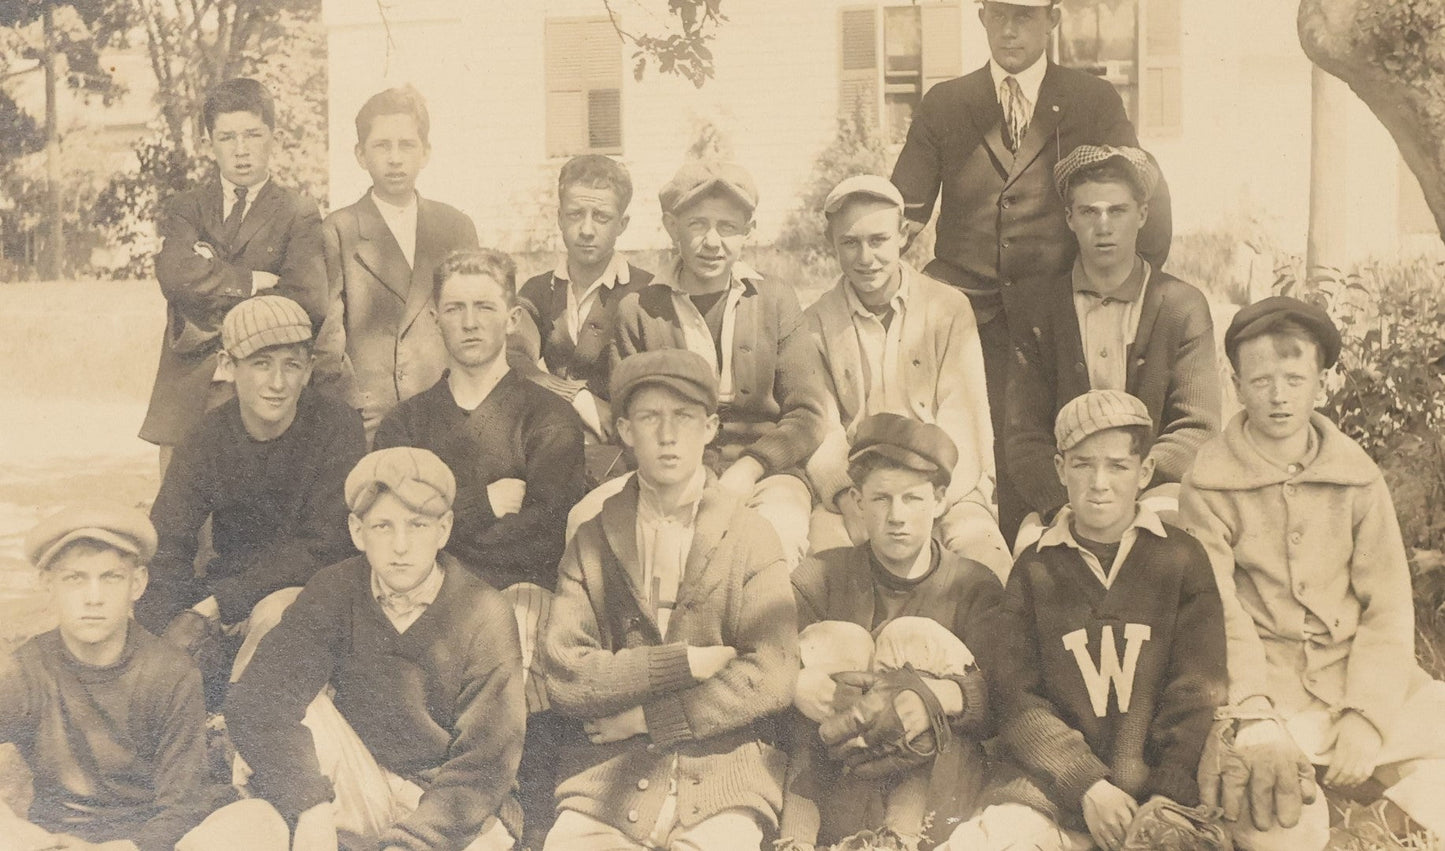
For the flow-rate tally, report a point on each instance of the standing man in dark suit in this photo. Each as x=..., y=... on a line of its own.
x=222, y=242
x=988, y=141
x=380, y=255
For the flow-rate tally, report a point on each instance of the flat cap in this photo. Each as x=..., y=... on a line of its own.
x=867, y=185
x=1139, y=163
x=686, y=373
x=1265, y=314
x=120, y=527
x=916, y=445
x=697, y=178
x=261, y=322
x=418, y=478
x=1096, y=411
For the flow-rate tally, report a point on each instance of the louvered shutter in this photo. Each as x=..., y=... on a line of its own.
x=584, y=87
x=1161, y=85
x=858, y=75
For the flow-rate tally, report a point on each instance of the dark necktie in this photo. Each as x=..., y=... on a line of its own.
x=231, y=228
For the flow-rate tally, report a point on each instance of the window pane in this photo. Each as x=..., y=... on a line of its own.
x=902, y=39
x=1102, y=38
x=604, y=119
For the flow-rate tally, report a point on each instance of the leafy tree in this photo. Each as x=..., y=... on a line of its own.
x=684, y=52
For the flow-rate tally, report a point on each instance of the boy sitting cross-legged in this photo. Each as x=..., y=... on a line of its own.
x=672, y=639
x=1306, y=549
x=108, y=717
x=1110, y=659
x=386, y=708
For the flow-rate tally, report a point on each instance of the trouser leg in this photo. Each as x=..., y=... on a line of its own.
x=251, y=825
x=785, y=502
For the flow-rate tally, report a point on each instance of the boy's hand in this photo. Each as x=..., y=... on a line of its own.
x=506, y=496
x=1356, y=745
x=201, y=248
x=705, y=662
x=1258, y=769
x=617, y=728
x=1108, y=810
x=742, y=477
x=315, y=829
x=814, y=694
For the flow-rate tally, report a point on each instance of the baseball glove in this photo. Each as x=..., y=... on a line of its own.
x=199, y=636
x=869, y=738
x=1257, y=773
x=1164, y=825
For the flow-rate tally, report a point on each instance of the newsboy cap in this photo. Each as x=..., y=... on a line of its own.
x=1097, y=411
x=263, y=321
x=418, y=478
x=1135, y=159
x=686, y=373
x=1264, y=315
x=867, y=185
x=117, y=526
x=916, y=445
x=696, y=178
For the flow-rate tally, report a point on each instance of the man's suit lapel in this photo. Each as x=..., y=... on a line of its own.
x=987, y=115
x=212, y=216
x=428, y=247
x=262, y=210
x=1047, y=113
x=840, y=346
x=378, y=250
x=1148, y=317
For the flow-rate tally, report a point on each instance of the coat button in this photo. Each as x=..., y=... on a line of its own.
x=632, y=815
x=744, y=391
x=1295, y=537
x=643, y=784
x=1006, y=243
x=745, y=349
x=1007, y=282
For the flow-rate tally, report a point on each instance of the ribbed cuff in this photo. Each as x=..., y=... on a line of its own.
x=975, y=702
x=666, y=721
x=667, y=669
x=1075, y=778
x=302, y=796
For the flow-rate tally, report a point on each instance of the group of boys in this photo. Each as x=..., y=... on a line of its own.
x=801, y=600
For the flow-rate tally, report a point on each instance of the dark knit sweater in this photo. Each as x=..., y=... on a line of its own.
x=519, y=431
x=1050, y=729
x=1171, y=367
x=118, y=752
x=276, y=507
x=544, y=298
x=440, y=704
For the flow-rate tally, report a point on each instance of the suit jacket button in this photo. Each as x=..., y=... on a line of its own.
x=643, y=784
x=632, y=815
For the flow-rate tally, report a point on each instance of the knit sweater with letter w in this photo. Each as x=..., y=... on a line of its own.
x=1116, y=683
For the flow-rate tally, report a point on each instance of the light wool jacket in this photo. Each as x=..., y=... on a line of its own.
x=1311, y=571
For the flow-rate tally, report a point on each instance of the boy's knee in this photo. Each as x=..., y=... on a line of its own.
x=1312, y=832
x=925, y=644
x=1008, y=827
x=267, y=613
x=787, y=504
x=251, y=824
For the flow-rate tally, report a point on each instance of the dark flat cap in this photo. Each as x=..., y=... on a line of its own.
x=697, y=178
x=686, y=373
x=1264, y=315
x=916, y=445
x=120, y=527
x=418, y=478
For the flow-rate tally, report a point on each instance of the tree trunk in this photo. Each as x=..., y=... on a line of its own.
x=1383, y=49
x=55, y=241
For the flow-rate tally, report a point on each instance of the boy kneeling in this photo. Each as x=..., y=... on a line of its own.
x=109, y=717
x=1086, y=741
x=930, y=611
x=673, y=637
x=386, y=707
x=1316, y=587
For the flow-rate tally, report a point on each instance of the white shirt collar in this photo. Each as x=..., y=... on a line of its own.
x=617, y=272
x=1061, y=533
x=898, y=302
x=669, y=274
x=650, y=509
x=1031, y=79
x=389, y=209
x=228, y=193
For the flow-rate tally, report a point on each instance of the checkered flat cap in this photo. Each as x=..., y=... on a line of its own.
x=1096, y=411
x=1142, y=165
x=418, y=478
x=261, y=322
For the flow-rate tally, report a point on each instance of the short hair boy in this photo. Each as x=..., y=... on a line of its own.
x=747, y=329
x=266, y=470
x=223, y=241
x=1114, y=322
x=893, y=339
x=381, y=253
x=570, y=313
x=1306, y=549
x=386, y=707
x=672, y=640
x=1111, y=653
x=932, y=610
x=108, y=717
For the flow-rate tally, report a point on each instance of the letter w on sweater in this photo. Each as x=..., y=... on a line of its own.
x=1110, y=671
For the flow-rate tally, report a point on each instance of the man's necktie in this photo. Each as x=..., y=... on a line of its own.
x=1016, y=110
x=231, y=228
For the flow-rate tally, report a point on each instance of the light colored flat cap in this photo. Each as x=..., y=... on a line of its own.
x=1097, y=411
x=120, y=527
x=419, y=479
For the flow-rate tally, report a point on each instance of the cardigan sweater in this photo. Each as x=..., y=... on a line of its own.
x=776, y=411
x=118, y=752
x=522, y=431
x=1172, y=367
x=440, y=704
x=544, y=300
x=1116, y=683
x=603, y=654
x=1314, y=576
x=277, y=509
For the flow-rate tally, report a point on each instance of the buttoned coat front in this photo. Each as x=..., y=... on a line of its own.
x=376, y=318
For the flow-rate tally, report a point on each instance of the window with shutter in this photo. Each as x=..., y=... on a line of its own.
x=1162, y=87
x=921, y=44
x=1102, y=38
x=858, y=78
x=584, y=87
